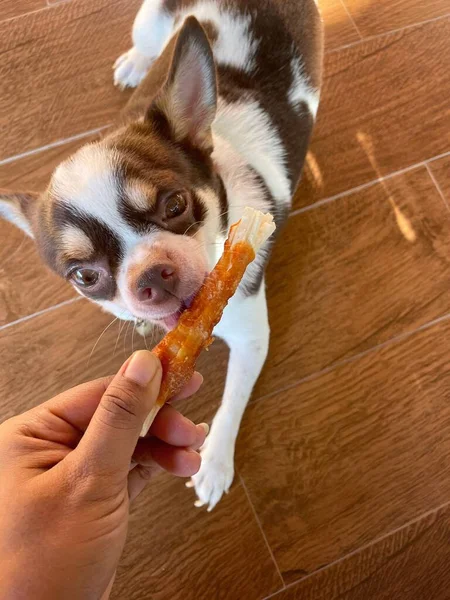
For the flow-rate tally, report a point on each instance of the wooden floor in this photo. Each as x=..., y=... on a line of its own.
x=343, y=485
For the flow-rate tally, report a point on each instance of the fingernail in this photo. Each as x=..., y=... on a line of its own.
x=141, y=368
x=205, y=427
x=202, y=379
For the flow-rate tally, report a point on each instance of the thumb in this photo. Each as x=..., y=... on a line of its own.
x=112, y=434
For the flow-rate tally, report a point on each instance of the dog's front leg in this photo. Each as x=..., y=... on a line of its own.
x=245, y=328
x=151, y=30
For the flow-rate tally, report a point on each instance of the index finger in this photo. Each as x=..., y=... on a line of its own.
x=172, y=427
x=77, y=405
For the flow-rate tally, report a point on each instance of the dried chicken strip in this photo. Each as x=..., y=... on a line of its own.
x=180, y=348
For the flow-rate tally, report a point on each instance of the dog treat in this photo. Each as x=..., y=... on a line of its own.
x=180, y=348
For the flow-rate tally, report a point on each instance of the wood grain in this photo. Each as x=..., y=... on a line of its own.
x=441, y=171
x=26, y=285
x=393, y=91
x=354, y=273
x=359, y=282
x=373, y=18
x=56, y=71
x=411, y=563
x=53, y=350
x=14, y=8
x=339, y=29
x=174, y=550
x=62, y=348
x=342, y=467
x=33, y=172
x=177, y=552
x=345, y=458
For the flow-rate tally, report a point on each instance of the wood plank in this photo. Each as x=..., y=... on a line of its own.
x=343, y=459
x=411, y=563
x=358, y=282
x=380, y=101
x=339, y=29
x=78, y=342
x=14, y=8
x=176, y=551
x=361, y=282
x=224, y=551
x=33, y=172
x=373, y=18
x=56, y=71
x=441, y=172
x=26, y=285
x=354, y=273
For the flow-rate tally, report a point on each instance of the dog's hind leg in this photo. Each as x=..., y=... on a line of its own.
x=151, y=30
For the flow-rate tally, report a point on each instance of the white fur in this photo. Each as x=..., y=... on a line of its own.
x=235, y=45
x=13, y=214
x=207, y=235
x=153, y=27
x=245, y=328
x=117, y=308
x=243, y=189
x=243, y=137
x=301, y=90
x=86, y=182
x=247, y=127
x=241, y=183
x=151, y=30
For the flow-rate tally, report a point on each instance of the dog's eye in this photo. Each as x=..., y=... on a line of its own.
x=85, y=277
x=176, y=204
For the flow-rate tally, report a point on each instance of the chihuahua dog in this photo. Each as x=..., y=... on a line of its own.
x=227, y=94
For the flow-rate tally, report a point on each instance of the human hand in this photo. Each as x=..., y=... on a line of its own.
x=67, y=479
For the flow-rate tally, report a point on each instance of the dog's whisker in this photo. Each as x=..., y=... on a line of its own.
x=99, y=338
x=125, y=338
x=192, y=225
x=145, y=339
x=153, y=342
x=222, y=214
x=132, y=337
x=121, y=328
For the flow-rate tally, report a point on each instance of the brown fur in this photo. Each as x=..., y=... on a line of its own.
x=153, y=148
x=276, y=24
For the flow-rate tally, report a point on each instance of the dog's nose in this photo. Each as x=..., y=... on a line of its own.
x=157, y=283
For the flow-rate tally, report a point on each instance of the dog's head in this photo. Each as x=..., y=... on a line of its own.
x=131, y=221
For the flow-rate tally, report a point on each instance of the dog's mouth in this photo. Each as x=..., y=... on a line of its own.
x=170, y=321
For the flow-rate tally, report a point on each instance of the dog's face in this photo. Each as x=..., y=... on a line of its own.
x=131, y=221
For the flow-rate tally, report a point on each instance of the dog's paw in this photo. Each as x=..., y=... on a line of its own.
x=131, y=68
x=214, y=478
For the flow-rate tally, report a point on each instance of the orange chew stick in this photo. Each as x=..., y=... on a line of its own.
x=180, y=348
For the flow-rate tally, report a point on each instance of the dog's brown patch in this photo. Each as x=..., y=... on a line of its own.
x=211, y=31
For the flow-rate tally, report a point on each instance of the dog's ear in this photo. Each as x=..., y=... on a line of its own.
x=188, y=99
x=19, y=208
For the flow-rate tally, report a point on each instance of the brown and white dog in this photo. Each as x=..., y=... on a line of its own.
x=227, y=95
